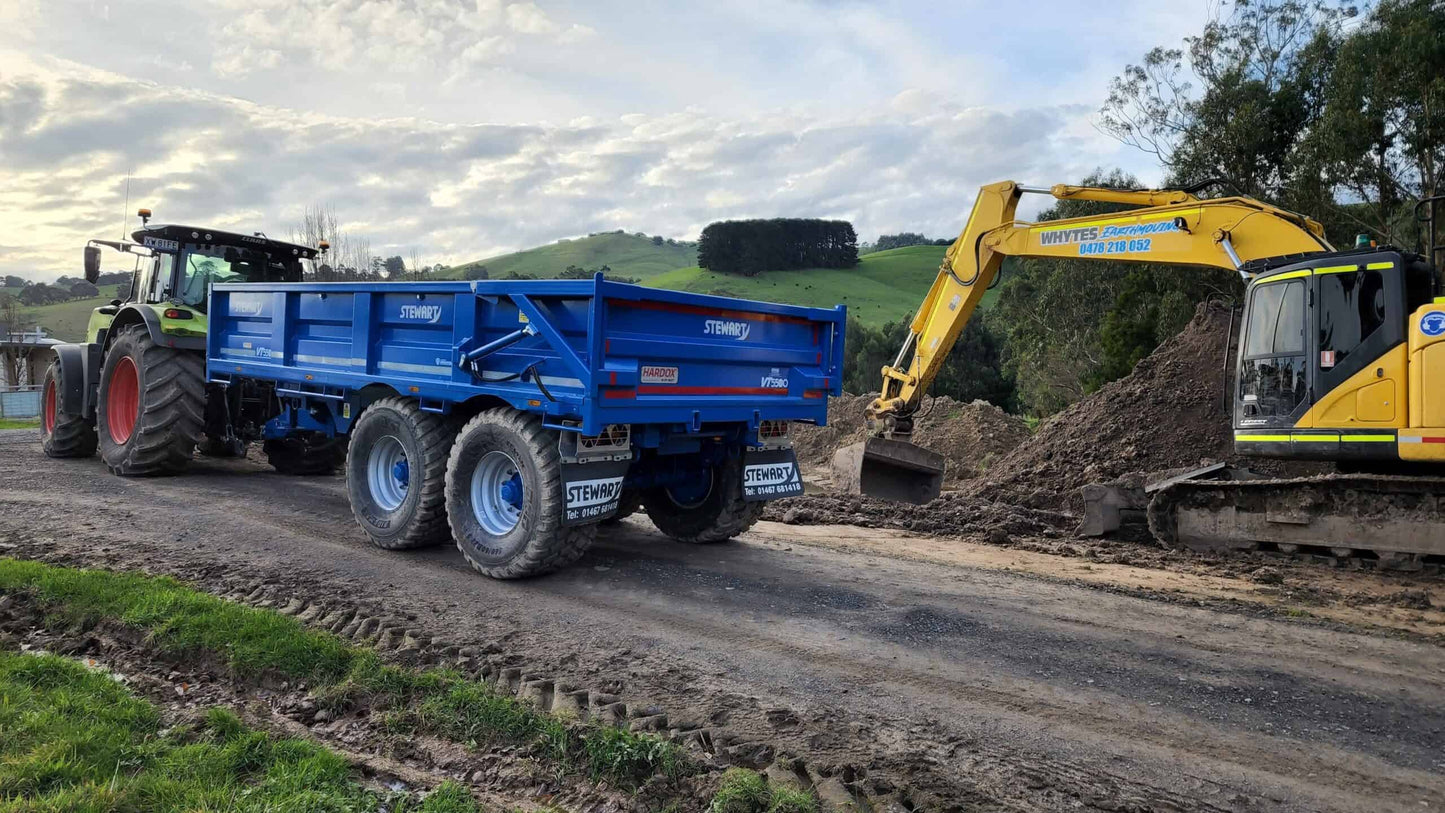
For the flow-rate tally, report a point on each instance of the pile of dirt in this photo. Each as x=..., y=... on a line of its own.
x=970, y=435
x=1166, y=414
x=952, y=514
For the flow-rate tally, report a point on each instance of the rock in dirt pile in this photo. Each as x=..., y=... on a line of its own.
x=970, y=435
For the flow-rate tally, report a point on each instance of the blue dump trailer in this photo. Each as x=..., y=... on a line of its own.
x=515, y=416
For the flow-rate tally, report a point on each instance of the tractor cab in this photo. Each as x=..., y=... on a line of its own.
x=178, y=263
x=175, y=266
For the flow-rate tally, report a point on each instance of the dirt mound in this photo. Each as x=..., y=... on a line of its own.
x=952, y=514
x=1167, y=413
x=971, y=435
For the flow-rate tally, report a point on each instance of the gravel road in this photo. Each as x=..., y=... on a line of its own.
x=974, y=687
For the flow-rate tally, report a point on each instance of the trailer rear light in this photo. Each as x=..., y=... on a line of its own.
x=773, y=433
x=616, y=436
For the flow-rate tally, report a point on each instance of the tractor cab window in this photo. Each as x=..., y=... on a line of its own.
x=208, y=264
x=1273, y=378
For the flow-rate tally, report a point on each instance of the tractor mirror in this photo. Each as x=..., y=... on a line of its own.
x=92, y=264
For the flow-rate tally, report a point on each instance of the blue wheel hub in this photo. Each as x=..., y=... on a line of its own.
x=401, y=471
x=511, y=491
x=496, y=493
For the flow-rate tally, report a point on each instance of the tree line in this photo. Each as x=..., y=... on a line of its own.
x=749, y=247
x=1317, y=107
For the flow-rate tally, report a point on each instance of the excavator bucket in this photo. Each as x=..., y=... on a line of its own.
x=889, y=470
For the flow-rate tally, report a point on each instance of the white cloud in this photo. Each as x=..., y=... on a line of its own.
x=458, y=192
x=412, y=36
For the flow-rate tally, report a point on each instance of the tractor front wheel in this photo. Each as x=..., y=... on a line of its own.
x=64, y=432
x=309, y=454
x=152, y=405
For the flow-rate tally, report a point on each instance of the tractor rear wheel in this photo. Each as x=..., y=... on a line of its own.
x=304, y=455
x=505, y=500
x=709, y=510
x=396, y=473
x=63, y=433
x=152, y=405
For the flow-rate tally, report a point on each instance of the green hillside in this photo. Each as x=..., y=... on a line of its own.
x=885, y=286
x=66, y=320
x=625, y=254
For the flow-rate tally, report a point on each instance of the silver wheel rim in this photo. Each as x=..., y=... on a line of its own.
x=497, y=493
x=388, y=473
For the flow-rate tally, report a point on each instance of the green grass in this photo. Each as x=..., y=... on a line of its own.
x=180, y=620
x=66, y=320
x=625, y=254
x=76, y=740
x=19, y=423
x=745, y=791
x=886, y=286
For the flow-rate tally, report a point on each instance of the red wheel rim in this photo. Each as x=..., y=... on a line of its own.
x=122, y=400
x=48, y=407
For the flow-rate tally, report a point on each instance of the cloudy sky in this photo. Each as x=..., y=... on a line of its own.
x=458, y=129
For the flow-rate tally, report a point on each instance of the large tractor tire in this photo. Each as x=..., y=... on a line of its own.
x=505, y=499
x=152, y=405
x=707, y=511
x=62, y=433
x=306, y=455
x=396, y=473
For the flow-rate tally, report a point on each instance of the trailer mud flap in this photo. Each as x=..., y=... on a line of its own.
x=593, y=490
x=771, y=474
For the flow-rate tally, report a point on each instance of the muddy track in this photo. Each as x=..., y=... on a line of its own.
x=968, y=688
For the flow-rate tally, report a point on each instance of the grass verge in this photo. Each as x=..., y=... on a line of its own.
x=744, y=791
x=76, y=740
x=17, y=423
x=179, y=620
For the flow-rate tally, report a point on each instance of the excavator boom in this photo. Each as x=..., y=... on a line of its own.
x=1170, y=227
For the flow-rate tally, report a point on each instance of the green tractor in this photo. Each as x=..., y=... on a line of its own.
x=136, y=387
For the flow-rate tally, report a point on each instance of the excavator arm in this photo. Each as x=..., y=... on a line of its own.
x=1171, y=227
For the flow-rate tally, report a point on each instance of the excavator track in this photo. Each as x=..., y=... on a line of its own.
x=1383, y=521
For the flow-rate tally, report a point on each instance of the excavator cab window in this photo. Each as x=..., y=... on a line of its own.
x=1274, y=376
x=1351, y=307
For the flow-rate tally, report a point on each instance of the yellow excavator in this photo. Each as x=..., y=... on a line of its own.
x=1341, y=358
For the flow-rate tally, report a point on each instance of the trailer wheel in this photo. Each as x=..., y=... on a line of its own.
x=396, y=473
x=629, y=504
x=62, y=433
x=505, y=500
x=152, y=405
x=306, y=455
x=709, y=510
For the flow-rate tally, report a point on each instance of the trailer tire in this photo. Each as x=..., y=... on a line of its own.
x=503, y=448
x=629, y=504
x=306, y=455
x=718, y=516
x=396, y=473
x=220, y=447
x=62, y=433
x=152, y=405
